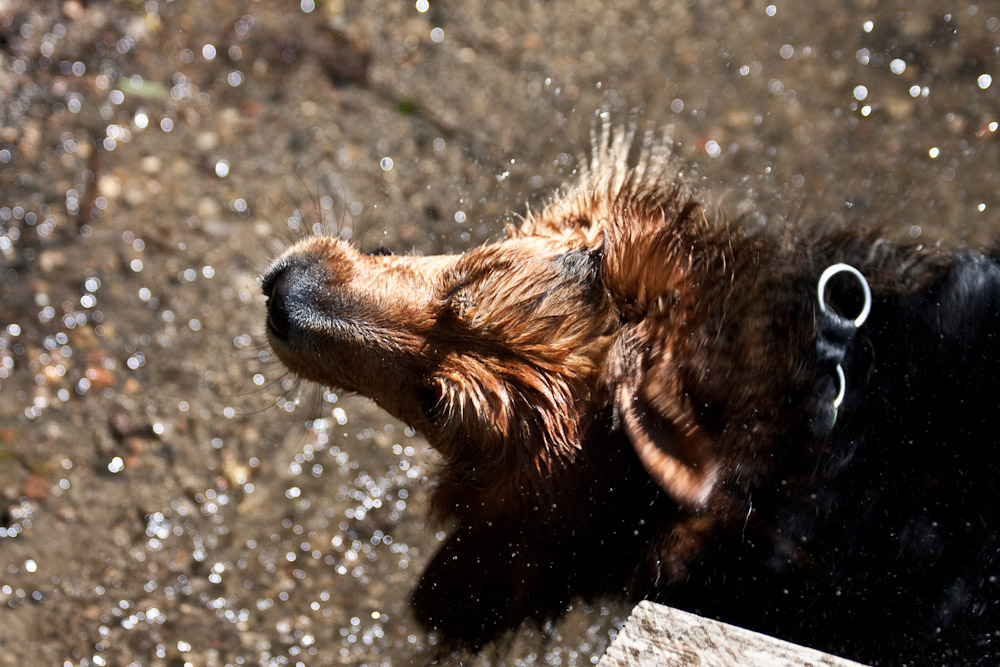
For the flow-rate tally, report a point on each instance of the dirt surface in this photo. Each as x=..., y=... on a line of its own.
x=168, y=495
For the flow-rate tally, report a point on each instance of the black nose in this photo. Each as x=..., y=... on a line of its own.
x=283, y=286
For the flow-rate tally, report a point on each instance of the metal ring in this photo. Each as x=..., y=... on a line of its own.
x=830, y=272
x=843, y=387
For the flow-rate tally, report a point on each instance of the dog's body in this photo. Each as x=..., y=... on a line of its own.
x=631, y=397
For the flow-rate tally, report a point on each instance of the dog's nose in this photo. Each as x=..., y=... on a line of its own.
x=283, y=287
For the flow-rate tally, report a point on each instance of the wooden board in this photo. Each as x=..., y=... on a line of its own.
x=659, y=635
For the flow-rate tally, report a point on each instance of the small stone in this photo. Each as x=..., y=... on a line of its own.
x=134, y=196
x=208, y=208
x=109, y=186
x=99, y=377
x=50, y=260
x=121, y=425
x=35, y=487
x=151, y=164
x=206, y=141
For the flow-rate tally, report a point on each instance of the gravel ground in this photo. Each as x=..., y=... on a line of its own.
x=167, y=495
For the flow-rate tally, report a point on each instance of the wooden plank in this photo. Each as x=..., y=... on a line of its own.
x=656, y=635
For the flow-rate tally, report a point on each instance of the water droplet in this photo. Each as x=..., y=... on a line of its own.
x=984, y=81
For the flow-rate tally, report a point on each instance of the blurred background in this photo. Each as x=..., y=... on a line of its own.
x=168, y=495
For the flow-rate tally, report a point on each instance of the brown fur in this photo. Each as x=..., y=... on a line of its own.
x=621, y=336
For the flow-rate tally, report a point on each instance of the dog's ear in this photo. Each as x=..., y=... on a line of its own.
x=673, y=448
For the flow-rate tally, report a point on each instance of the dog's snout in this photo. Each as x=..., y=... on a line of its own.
x=283, y=286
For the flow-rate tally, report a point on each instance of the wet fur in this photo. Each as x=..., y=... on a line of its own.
x=628, y=399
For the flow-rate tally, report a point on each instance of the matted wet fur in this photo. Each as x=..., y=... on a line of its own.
x=628, y=399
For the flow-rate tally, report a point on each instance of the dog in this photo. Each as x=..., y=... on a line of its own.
x=795, y=431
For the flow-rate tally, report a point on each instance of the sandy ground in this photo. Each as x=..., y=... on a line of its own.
x=167, y=495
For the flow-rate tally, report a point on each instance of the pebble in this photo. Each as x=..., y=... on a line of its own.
x=36, y=487
x=109, y=186
x=50, y=260
x=206, y=141
x=208, y=208
x=134, y=196
x=151, y=164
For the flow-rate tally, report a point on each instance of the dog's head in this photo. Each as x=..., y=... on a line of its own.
x=495, y=355
x=505, y=355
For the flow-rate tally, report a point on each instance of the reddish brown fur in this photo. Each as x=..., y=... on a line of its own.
x=622, y=315
x=517, y=355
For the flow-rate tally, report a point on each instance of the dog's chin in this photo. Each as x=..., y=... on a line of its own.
x=285, y=350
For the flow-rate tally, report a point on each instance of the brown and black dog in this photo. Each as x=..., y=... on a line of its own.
x=633, y=396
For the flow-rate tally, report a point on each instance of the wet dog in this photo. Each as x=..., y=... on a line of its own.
x=633, y=396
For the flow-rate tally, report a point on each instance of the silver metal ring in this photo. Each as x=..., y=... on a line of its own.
x=843, y=388
x=833, y=270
